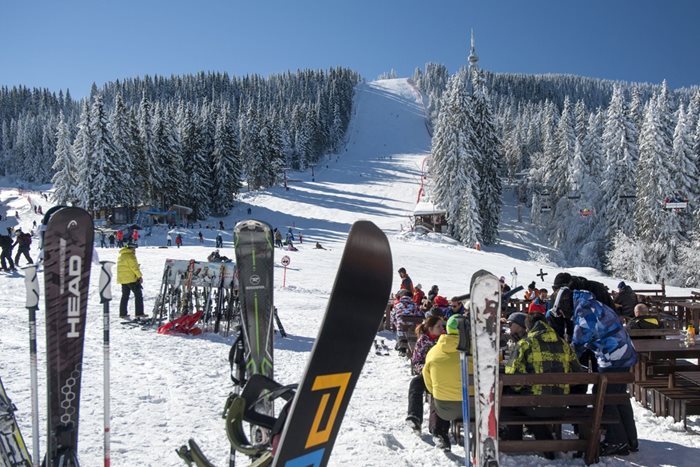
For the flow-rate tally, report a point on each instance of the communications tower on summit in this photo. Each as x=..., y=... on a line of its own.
x=473, y=59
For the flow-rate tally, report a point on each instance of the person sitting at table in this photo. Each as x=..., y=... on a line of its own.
x=642, y=319
x=443, y=380
x=539, y=304
x=541, y=351
x=625, y=300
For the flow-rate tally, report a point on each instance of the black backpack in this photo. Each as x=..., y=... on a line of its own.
x=600, y=291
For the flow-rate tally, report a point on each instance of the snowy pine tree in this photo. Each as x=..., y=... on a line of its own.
x=686, y=166
x=227, y=164
x=118, y=127
x=453, y=162
x=64, y=179
x=82, y=151
x=488, y=164
x=618, y=179
x=104, y=172
x=657, y=228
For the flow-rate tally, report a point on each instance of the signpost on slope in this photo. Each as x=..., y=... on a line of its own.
x=285, y=262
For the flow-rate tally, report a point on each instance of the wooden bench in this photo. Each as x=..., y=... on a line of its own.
x=677, y=403
x=584, y=410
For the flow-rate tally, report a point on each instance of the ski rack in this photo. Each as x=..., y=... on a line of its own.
x=188, y=286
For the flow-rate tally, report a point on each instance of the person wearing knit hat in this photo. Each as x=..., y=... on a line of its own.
x=452, y=326
x=442, y=377
x=518, y=318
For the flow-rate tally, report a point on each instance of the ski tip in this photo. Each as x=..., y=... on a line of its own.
x=478, y=274
x=368, y=244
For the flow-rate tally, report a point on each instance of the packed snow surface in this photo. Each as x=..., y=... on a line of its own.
x=166, y=389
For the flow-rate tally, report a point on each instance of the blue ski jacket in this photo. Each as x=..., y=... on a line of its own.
x=598, y=328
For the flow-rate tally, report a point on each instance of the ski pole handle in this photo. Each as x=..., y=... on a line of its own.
x=106, y=281
x=464, y=344
x=32, y=286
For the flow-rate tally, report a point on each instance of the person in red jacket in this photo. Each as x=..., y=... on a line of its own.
x=539, y=304
x=120, y=238
x=418, y=294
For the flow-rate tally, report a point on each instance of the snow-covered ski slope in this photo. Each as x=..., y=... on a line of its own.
x=166, y=389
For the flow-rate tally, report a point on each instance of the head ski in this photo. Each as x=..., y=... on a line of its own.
x=68, y=244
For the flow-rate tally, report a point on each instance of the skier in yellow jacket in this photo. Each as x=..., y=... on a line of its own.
x=130, y=278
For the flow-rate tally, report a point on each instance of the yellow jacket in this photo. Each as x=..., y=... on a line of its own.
x=128, y=269
x=441, y=372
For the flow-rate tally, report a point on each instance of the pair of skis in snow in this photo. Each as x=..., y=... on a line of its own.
x=315, y=410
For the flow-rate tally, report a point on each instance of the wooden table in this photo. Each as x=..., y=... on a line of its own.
x=661, y=349
x=666, y=348
x=663, y=332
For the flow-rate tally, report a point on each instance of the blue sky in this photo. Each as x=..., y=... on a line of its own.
x=70, y=44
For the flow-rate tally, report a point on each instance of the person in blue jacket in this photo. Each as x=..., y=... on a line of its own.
x=598, y=328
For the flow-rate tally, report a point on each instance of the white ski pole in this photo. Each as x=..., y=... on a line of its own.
x=105, y=297
x=32, y=304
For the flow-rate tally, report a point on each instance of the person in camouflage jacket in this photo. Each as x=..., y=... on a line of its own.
x=543, y=351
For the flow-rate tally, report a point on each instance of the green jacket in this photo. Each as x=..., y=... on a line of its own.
x=543, y=351
x=128, y=270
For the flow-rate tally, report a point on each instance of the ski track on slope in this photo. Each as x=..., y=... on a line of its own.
x=166, y=389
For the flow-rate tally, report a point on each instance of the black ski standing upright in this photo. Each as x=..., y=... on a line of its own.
x=68, y=245
x=255, y=262
x=339, y=353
